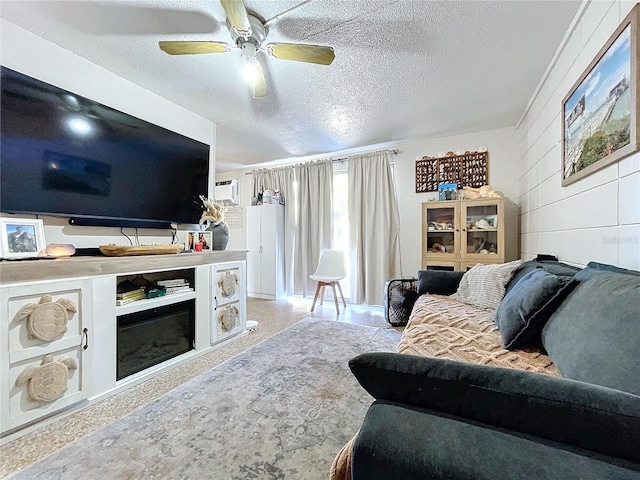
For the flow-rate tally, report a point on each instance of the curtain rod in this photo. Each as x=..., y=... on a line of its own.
x=393, y=151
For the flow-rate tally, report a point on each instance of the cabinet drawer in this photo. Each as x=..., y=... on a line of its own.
x=227, y=284
x=228, y=320
x=39, y=370
x=41, y=315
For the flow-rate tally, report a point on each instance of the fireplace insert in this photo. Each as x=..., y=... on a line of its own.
x=152, y=336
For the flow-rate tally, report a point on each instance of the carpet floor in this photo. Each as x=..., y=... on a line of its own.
x=280, y=410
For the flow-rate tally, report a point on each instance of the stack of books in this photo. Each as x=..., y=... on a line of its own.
x=176, y=285
x=123, y=298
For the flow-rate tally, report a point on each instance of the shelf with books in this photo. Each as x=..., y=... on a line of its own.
x=130, y=296
x=148, y=303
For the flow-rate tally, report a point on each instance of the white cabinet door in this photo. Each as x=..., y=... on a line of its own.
x=253, y=250
x=55, y=357
x=268, y=235
x=229, y=314
x=265, y=242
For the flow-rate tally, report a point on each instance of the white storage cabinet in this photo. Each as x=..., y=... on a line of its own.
x=265, y=251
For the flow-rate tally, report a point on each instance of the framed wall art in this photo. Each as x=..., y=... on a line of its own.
x=21, y=237
x=599, y=114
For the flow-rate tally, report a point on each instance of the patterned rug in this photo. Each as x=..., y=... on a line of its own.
x=280, y=410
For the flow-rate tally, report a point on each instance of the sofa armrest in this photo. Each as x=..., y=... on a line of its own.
x=438, y=282
x=575, y=413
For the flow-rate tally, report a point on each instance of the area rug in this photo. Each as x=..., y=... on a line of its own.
x=280, y=410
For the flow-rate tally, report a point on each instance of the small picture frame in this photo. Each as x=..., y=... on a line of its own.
x=199, y=241
x=447, y=191
x=21, y=237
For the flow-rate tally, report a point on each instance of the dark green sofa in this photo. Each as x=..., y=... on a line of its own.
x=443, y=419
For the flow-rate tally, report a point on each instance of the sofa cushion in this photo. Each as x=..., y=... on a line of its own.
x=528, y=305
x=593, y=335
x=404, y=443
x=483, y=285
x=552, y=266
x=612, y=268
x=438, y=282
x=575, y=413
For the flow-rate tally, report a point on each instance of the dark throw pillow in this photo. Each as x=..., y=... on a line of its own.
x=551, y=266
x=528, y=305
x=438, y=282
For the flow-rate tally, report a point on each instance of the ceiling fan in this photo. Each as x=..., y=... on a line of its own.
x=248, y=33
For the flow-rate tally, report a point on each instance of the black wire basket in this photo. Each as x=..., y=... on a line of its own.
x=400, y=295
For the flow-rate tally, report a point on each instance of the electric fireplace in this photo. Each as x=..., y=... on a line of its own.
x=152, y=336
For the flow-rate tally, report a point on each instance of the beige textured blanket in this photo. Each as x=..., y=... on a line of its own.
x=444, y=328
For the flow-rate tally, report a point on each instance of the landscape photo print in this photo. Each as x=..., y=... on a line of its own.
x=599, y=113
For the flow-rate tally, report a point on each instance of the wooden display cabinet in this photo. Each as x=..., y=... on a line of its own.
x=458, y=234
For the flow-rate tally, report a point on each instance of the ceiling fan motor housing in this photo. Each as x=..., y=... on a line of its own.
x=258, y=32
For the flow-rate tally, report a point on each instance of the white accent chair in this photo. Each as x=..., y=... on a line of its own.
x=330, y=271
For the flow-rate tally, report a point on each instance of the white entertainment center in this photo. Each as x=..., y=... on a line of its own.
x=83, y=291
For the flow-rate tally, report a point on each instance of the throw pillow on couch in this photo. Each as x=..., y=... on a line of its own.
x=483, y=286
x=528, y=305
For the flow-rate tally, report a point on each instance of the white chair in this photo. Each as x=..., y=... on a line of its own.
x=330, y=271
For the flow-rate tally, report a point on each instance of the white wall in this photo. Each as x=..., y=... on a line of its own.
x=238, y=235
x=598, y=217
x=29, y=54
x=501, y=144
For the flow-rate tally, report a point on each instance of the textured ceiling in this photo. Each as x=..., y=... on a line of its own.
x=403, y=70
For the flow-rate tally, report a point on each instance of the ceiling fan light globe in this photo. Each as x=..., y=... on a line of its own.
x=250, y=72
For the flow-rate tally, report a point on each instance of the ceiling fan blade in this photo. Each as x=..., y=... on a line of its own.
x=302, y=53
x=259, y=85
x=237, y=15
x=190, y=48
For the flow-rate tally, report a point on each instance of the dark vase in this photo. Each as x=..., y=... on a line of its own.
x=220, y=234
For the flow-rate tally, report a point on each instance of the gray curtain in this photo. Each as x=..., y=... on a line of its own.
x=314, y=229
x=374, y=227
x=306, y=190
x=271, y=179
x=285, y=179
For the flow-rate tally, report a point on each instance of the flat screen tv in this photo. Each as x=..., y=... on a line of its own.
x=62, y=154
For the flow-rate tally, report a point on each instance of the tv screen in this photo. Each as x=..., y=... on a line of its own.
x=62, y=154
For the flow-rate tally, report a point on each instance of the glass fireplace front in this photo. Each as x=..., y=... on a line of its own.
x=150, y=337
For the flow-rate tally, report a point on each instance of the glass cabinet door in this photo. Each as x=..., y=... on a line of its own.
x=440, y=238
x=482, y=231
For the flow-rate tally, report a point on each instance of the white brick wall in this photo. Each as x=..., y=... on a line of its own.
x=598, y=217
